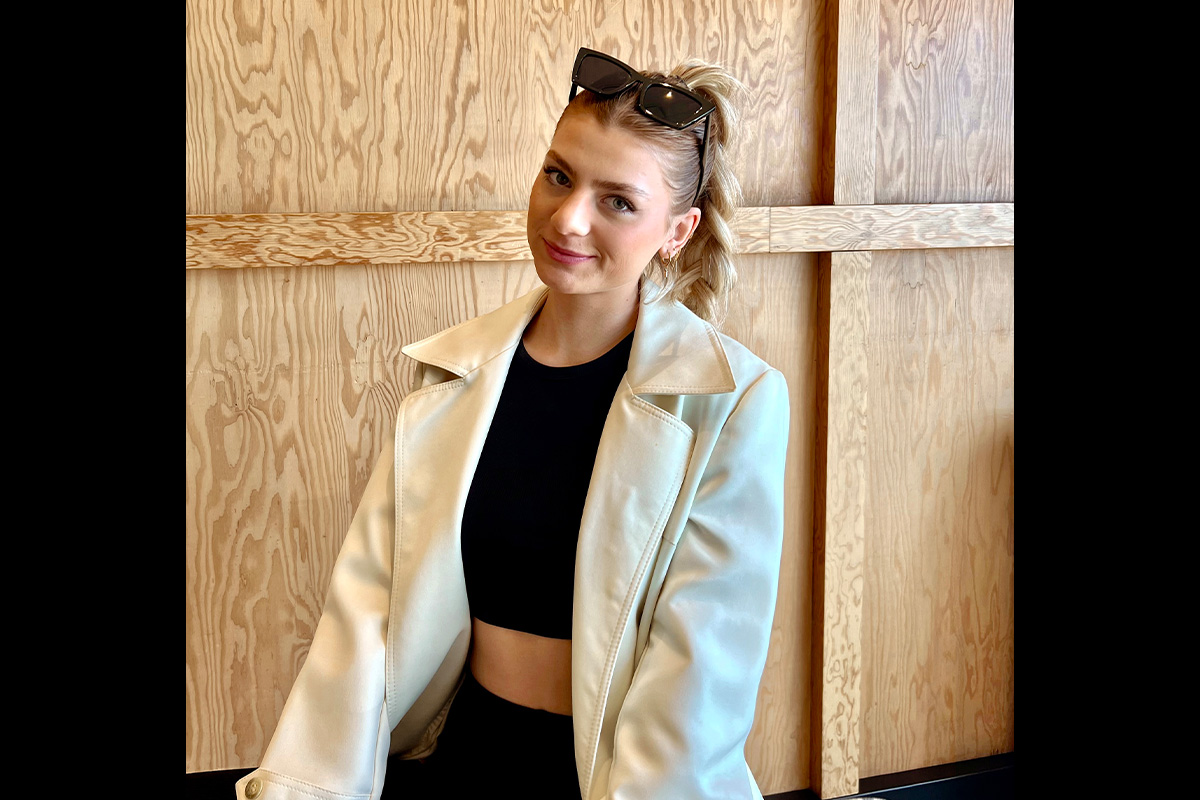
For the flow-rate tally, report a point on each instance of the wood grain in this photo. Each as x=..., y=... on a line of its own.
x=392, y=142
x=903, y=227
x=450, y=106
x=946, y=102
x=294, y=377
x=752, y=229
x=854, y=146
x=840, y=533
x=838, y=661
x=322, y=240
x=772, y=313
x=820, y=510
x=938, y=620
x=293, y=380
x=325, y=109
x=238, y=241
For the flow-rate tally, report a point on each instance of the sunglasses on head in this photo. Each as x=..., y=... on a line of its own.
x=673, y=106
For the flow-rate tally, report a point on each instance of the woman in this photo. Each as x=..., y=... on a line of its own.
x=561, y=578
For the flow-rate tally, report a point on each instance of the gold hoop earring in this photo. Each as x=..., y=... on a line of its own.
x=671, y=263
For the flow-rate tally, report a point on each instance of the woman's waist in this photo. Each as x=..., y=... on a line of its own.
x=523, y=668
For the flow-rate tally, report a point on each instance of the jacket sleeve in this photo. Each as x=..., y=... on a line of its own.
x=332, y=739
x=683, y=725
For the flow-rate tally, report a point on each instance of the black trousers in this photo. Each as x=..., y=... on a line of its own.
x=490, y=747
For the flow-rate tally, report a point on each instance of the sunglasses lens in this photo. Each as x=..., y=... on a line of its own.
x=670, y=105
x=602, y=76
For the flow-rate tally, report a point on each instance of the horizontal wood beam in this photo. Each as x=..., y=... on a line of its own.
x=237, y=241
x=831, y=229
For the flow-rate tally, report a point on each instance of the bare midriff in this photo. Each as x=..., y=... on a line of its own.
x=531, y=671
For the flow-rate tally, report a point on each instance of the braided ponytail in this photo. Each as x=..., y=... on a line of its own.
x=705, y=275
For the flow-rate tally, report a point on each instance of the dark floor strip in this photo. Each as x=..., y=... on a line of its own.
x=991, y=778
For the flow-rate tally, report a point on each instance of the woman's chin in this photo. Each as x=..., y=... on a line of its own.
x=561, y=278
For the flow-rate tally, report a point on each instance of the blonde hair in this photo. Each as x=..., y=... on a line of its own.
x=703, y=275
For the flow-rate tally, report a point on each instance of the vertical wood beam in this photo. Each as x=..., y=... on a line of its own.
x=857, y=90
x=840, y=525
x=839, y=550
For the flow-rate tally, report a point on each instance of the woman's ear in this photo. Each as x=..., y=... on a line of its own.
x=683, y=227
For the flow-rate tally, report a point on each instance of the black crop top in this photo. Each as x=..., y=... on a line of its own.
x=521, y=519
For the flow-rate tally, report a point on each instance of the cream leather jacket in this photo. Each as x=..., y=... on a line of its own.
x=676, y=573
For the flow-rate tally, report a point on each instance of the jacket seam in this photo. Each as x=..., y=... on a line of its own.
x=720, y=388
x=647, y=407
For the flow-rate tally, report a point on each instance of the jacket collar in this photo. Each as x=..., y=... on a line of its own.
x=674, y=351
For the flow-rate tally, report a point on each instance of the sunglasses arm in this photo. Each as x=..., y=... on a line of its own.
x=703, y=152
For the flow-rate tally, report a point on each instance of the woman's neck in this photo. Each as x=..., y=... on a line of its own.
x=575, y=329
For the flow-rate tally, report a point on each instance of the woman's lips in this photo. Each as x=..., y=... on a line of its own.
x=564, y=256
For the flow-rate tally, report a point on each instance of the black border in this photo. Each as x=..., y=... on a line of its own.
x=989, y=778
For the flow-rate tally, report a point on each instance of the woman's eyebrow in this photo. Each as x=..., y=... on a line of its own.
x=623, y=188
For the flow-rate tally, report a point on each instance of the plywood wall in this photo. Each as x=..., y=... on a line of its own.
x=938, y=622
x=442, y=105
x=923, y=115
x=893, y=640
x=775, y=317
x=945, y=121
x=293, y=374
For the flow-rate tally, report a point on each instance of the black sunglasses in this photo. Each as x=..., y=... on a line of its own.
x=674, y=106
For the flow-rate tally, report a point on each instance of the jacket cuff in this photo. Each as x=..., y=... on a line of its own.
x=264, y=785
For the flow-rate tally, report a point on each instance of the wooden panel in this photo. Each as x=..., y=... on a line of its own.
x=937, y=635
x=772, y=313
x=854, y=146
x=442, y=106
x=946, y=102
x=938, y=619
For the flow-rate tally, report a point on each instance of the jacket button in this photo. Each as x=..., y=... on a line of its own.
x=253, y=788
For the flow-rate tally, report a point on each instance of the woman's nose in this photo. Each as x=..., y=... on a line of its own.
x=573, y=214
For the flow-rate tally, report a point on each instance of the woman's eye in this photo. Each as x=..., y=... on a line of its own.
x=621, y=204
x=556, y=176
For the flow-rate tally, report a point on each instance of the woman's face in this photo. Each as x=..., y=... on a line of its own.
x=600, y=210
